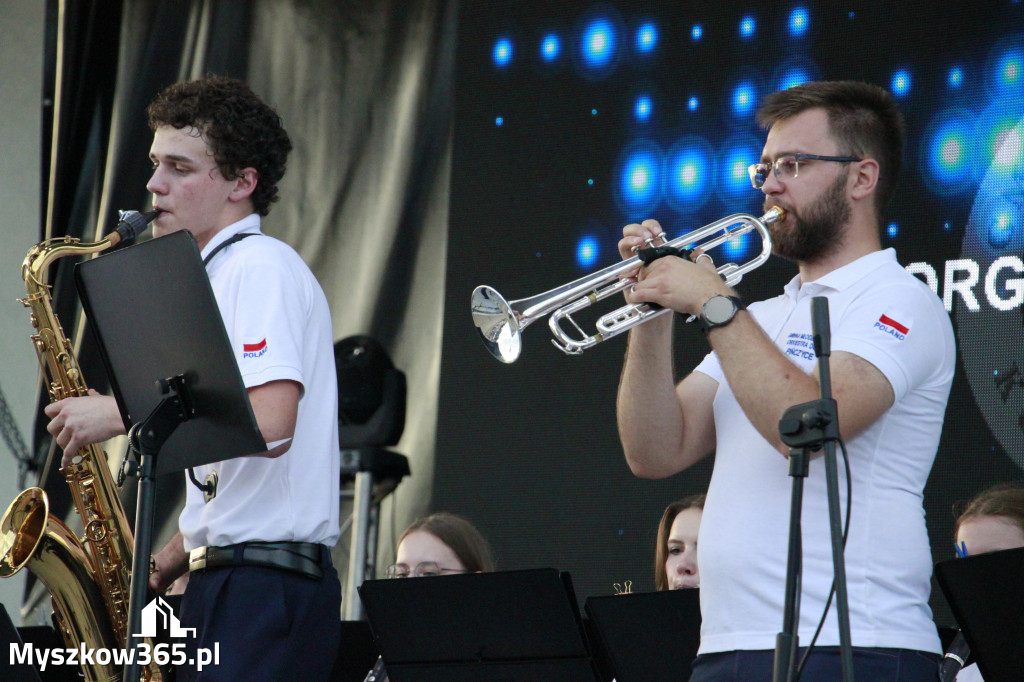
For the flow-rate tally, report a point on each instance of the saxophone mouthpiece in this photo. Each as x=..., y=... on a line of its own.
x=131, y=223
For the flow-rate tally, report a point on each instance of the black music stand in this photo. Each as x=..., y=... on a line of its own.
x=162, y=340
x=986, y=594
x=645, y=636
x=514, y=626
x=16, y=670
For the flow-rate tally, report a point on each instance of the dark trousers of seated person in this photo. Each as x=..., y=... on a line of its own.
x=823, y=665
x=270, y=624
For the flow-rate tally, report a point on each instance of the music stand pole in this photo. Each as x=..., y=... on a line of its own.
x=145, y=440
x=805, y=428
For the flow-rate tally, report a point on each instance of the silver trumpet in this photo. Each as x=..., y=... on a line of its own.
x=501, y=323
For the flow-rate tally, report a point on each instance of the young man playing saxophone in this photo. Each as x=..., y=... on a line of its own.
x=262, y=586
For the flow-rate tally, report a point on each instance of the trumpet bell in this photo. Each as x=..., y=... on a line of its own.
x=497, y=324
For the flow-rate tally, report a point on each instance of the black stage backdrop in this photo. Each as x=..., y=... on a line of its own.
x=574, y=118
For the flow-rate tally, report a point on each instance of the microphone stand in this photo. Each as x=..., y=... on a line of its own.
x=806, y=428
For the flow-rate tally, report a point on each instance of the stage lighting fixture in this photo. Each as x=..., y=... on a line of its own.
x=371, y=394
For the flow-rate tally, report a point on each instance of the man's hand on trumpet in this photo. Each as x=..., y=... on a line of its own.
x=676, y=283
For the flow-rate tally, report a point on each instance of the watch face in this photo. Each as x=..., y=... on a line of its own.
x=719, y=310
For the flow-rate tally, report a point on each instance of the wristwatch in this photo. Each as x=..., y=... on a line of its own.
x=719, y=311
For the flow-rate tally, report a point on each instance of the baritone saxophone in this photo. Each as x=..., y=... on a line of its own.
x=88, y=578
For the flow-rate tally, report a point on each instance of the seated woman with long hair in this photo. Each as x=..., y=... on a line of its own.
x=675, y=557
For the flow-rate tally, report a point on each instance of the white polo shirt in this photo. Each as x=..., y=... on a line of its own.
x=279, y=325
x=886, y=316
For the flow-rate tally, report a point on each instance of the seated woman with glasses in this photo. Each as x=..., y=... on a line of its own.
x=440, y=544
x=992, y=521
x=436, y=545
x=675, y=556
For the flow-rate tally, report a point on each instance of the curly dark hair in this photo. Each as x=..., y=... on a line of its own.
x=241, y=130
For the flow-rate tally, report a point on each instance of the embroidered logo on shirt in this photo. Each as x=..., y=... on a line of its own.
x=800, y=346
x=254, y=350
x=890, y=326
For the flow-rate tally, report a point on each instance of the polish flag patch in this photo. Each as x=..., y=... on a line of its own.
x=896, y=325
x=254, y=350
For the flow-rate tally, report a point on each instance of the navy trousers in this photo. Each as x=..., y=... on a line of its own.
x=823, y=665
x=266, y=623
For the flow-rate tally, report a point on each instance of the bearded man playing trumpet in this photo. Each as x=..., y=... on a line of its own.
x=830, y=160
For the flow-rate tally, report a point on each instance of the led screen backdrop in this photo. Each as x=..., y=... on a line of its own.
x=574, y=118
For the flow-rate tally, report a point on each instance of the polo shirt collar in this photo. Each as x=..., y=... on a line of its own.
x=250, y=223
x=841, y=278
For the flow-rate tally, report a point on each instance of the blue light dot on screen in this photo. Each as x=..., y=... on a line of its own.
x=948, y=149
x=642, y=109
x=593, y=112
x=851, y=15
x=646, y=37
x=590, y=181
x=697, y=32
x=956, y=77
x=598, y=43
x=901, y=82
x=587, y=251
x=503, y=52
x=692, y=104
x=688, y=175
x=793, y=78
x=798, y=21
x=640, y=178
x=747, y=26
x=893, y=229
x=946, y=226
x=1000, y=231
x=1011, y=69
x=638, y=188
x=550, y=47
x=743, y=98
x=499, y=120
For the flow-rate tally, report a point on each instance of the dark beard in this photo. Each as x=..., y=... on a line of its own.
x=817, y=233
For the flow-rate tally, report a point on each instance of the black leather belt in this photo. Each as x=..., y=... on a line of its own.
x=305, y=558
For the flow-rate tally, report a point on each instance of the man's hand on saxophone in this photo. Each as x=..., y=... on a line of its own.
x=80, y=421
x=169, y=564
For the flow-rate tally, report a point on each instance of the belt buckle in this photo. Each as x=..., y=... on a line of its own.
x=197, y=559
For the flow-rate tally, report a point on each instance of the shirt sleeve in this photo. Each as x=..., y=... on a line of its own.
x=268, y=320
x=900, y=329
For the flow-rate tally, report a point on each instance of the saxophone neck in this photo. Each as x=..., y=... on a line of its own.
x=40, y=256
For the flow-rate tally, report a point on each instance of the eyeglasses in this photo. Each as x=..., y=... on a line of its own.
x=788, y=167
x=426, y=569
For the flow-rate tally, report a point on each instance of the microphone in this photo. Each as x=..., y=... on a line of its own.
x=954, y=658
